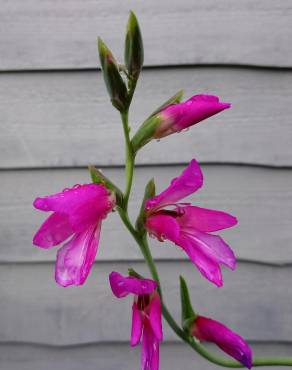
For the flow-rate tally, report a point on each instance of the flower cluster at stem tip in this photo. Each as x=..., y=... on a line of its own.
x=78, y=213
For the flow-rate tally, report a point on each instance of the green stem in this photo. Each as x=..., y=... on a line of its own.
x=130, y=159
x=199, y=348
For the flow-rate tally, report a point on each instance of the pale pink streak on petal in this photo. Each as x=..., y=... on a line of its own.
x=53, y=231
x=150, y=349
x=121, y=286
x=70, y=199
x=75, y=258
x=215, y=248
x=206, y=329
x=204, y=219
x=208, y=268
x=137, y=324
x=190, y=180
x=155, y=316
x=163, y=227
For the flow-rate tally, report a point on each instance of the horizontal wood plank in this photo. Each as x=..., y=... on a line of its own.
x=65, y=119
x=259, y=197
x=115, y=356
x=49, y=34
x=34, y=309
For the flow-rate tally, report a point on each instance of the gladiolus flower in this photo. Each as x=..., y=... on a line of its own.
x=233, y=344
x=146, y=315
x=189, y=226
x=177, y=117
x=77, y=212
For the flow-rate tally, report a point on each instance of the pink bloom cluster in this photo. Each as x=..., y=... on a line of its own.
x=189, y=226
x=77, y=214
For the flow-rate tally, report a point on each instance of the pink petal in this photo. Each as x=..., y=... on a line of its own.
x=121, y=286
x=190, y=180
x=205, y=220
x=75, y=258
x=163, y=227
x=136, y=325
x=233, y=344
x=208, y=267
x=155, y=316
x=69, y=200
x=214, y=247
x=53, y=231
x=150, y=349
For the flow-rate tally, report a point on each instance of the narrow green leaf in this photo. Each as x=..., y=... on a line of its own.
x=188, y=314
x=148, y=193
x=98, y=177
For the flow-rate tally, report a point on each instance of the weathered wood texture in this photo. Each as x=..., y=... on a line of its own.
x=65, y=119
x=49, y=34
x=33, y=309
x=259, y=197
x=114, y=356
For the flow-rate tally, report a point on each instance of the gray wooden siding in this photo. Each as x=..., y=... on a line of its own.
x=55, y=118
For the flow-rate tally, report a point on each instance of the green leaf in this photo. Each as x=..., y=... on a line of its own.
x=148, y=193
x=147, y=130
x=134, y=52
x=188, y=314
x=98, y=177
x=115, y=85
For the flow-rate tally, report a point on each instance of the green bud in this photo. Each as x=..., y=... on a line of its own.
x=188, y=315
x=98, y=177
x=115, y=85
x=134, y=54
x=148, y=193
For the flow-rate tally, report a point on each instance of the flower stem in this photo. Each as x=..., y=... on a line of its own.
x=130, y=158
x=199, y=348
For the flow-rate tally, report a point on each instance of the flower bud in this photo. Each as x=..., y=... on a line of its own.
x=113, y=80
x=134, y=54
x=231, y=343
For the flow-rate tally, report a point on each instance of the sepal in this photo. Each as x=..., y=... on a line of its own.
x=115, y=84
x=147, y=130
x=98, y=177
x=149, y=192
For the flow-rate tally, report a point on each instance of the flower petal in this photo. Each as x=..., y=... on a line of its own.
x=137, y=325
x=190, y=180
x=121, y=286
x=204, y=219
x=75, y=258
x=150, y=349
x=155, y=316
x=233, y=344
x=215, y=248
x=53, y=231
x=208, y=268
x=163, y=227
x=67, y=201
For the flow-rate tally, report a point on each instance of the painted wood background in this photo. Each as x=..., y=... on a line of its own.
x=55, y=118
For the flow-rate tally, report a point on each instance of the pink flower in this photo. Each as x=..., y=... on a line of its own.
x=213, y=331
x=189, y=226
x=177, y=117
x=77, y=212
x=146, y=315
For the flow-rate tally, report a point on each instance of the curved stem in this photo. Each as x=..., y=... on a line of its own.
x=199, y=348
x=130, y=158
